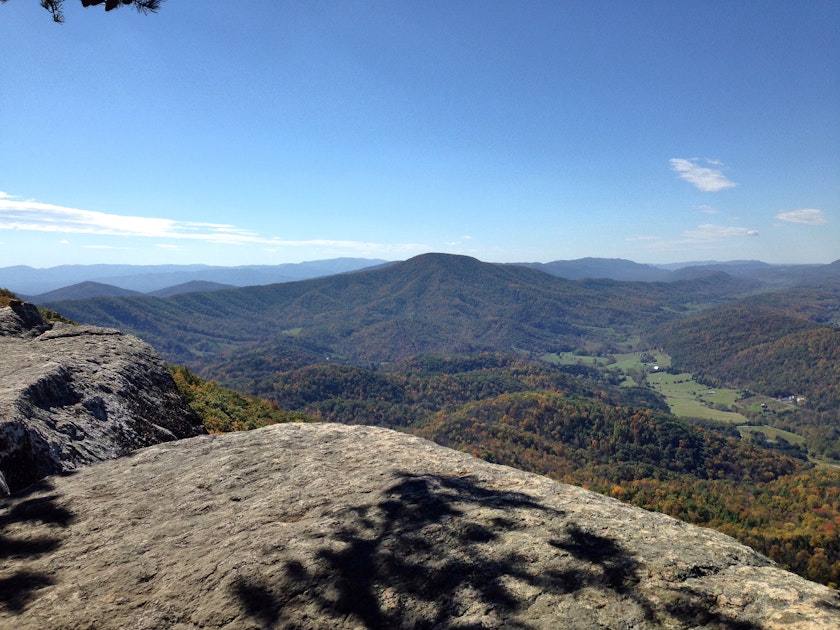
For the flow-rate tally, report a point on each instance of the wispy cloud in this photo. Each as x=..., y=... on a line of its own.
x=34, y=216
x=704, y=238
x=706, y=209
x=804, y=216
x=708, y=232
x=109, y=248
x=457, y=243
x=705, y=175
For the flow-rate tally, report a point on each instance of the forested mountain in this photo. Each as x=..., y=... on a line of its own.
x=81, y=291
x=790, y=350
x=431, y=303
x=193, y=286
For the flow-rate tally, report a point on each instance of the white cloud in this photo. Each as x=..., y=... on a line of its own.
x=804, y=216
x=706, y=209
x=705, y=175
x=35, y=216
x=710, y=232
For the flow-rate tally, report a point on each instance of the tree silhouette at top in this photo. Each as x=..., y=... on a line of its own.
x=143, y=6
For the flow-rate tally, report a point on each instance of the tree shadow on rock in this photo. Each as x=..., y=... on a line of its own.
x=18, y=588
x=258, y=601
x=616, y=568
x=438, y=551
x=696, y=610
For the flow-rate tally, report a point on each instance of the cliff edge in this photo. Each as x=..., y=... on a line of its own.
x=72, y=395
x=330, y=526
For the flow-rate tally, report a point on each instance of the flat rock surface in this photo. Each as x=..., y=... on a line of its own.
x=331, y=526
x=72, y=395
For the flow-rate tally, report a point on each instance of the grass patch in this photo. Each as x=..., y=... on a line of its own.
x=772, y=434
x=570, y=358
x=689, y=399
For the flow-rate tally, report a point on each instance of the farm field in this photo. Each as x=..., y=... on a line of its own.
x=689, y=399
x=772, y=433
x=686, y=397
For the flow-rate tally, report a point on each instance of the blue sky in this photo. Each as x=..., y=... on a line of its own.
x=271, y=131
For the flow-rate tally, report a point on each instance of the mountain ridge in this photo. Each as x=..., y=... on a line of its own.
x=433, y=302
x=29, y=281
x=25, y=280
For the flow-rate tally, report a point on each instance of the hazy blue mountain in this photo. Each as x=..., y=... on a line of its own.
x=25, y=280
x=708, y=263
x=778, y=276
x=612, y=268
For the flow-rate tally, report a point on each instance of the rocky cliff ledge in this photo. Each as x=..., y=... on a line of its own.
x=329, y=526
x=72, y=395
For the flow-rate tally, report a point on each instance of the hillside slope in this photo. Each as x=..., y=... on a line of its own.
x=81, y=291
x=310, y=526
x=788, y=349
x=431, y=303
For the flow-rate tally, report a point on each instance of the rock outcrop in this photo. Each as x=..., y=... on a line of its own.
x=330, y=526
x=72, y=395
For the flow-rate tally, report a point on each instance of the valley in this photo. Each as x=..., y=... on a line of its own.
x=651, y=392
x=686, y=398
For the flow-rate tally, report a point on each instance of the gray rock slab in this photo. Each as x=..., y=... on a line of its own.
x=330, y=526
x=72, y=395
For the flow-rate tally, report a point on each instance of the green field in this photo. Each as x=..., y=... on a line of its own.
x=633, y=360
x=686, y=397
x=624, y=362
x=570, y=358
x=689, y=399
x=772, y=434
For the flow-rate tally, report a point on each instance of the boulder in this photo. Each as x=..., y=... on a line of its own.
x=72, y=395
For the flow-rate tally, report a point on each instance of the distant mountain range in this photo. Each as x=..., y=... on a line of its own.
x=70, y=282
x=627, y=270
x=33, y=283
x=430, y=303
